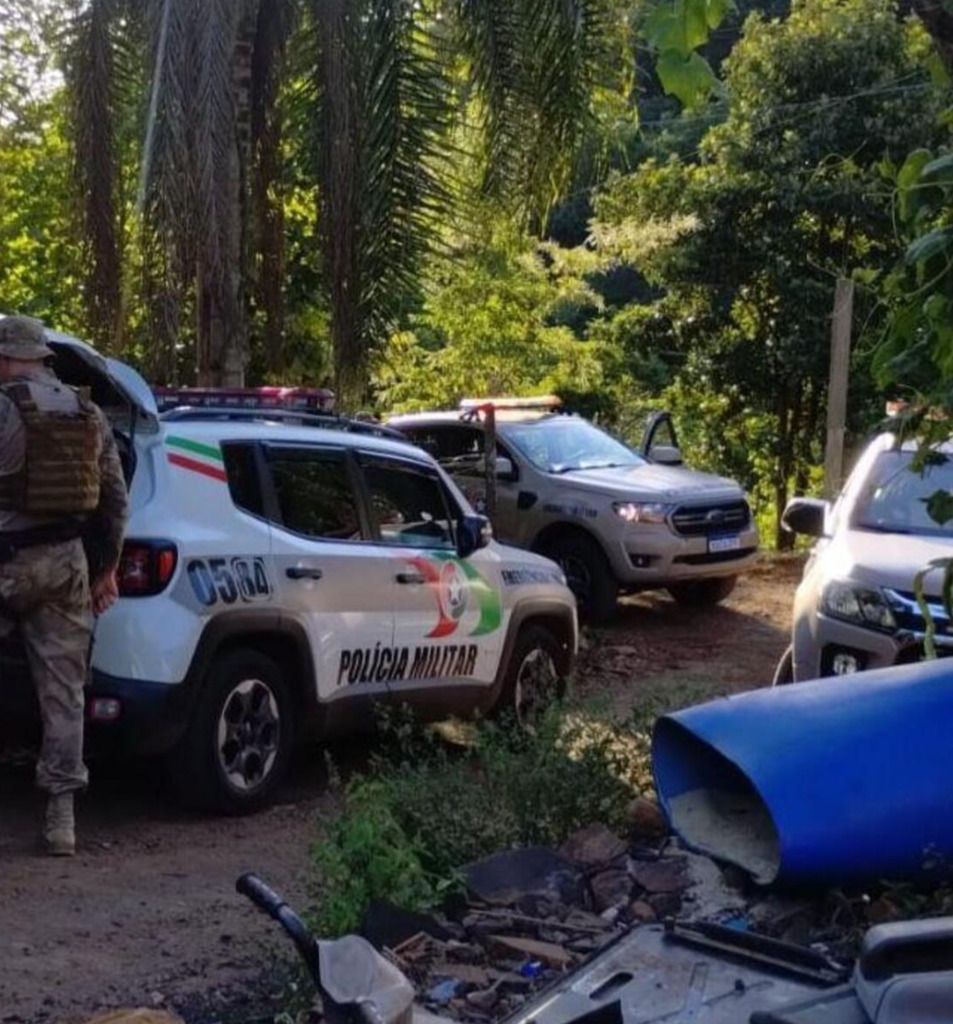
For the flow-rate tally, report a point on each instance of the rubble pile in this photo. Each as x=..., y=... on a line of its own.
x=534, y=914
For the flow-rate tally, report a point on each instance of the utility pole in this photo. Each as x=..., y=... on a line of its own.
x=837, y=389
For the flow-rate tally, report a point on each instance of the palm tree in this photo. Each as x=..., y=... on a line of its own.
x=378, y=85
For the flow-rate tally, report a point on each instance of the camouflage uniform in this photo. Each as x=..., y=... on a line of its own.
x=45, y=588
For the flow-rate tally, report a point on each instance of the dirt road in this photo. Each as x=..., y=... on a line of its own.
x=147, y=915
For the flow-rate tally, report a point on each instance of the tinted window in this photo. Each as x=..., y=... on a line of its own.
x=243, y=483
x=457, y=449
x=449, y=444
x=408, y=506
x=315, y=495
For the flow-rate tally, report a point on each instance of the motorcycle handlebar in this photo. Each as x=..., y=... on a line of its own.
x=264, y=897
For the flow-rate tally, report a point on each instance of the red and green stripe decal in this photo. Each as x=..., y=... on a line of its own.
x=204, y=459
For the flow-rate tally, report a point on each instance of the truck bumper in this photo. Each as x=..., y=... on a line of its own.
x=645, y=559
x=829, y=647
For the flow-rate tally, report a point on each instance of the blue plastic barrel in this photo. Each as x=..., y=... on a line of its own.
x=838, y=781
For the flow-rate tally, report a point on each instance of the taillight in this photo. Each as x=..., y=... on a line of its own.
x=145, y=567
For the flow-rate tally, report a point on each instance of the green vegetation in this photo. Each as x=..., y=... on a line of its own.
x=631, y=203
x=423, y=808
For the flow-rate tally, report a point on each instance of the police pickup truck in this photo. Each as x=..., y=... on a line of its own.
x=281, y=574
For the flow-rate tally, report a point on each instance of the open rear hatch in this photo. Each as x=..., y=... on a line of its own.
x=114, y=386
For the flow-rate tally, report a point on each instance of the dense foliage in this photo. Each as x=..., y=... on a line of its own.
x=644, y=204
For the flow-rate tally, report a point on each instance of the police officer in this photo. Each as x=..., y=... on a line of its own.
x=59, y=471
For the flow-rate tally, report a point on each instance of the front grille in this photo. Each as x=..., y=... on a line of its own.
x=706, y=520
x=714, y=557
x=909, y=617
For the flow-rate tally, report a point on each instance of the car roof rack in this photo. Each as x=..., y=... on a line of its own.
x=322, y=421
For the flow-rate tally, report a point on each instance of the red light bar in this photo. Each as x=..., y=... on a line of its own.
x=301, y=399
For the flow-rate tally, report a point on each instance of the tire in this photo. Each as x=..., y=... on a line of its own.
x=534, y=678
x=588, y=573
x=244, y=688
x=703, y=593
x=784, y=673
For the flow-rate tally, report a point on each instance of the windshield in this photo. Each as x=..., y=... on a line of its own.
x=893, y=498
x=560, y=444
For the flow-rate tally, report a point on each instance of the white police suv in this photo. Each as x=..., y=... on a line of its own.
x=281, y=574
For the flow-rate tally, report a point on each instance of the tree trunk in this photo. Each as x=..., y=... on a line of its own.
x=220, y=273
x=939, y=23
x=338, y=209
x=274, y=17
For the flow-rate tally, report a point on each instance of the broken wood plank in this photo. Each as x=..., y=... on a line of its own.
x=548, y=952
x=562, y=926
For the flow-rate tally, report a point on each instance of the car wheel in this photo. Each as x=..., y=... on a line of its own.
x=784, y=673
x=239, y=742
x=588, y=575
x=534, y=677
x=703, y=593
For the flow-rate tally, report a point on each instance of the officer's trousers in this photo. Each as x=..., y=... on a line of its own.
x=44, y=594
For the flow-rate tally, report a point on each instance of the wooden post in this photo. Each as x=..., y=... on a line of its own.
x=837, y=389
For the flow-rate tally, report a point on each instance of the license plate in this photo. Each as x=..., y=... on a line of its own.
x=724, y=543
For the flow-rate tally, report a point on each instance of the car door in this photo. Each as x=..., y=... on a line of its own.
x=448, y=619
x=328, y=575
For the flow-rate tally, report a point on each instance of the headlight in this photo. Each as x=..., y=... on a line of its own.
x=862, y=605
x=641, y=512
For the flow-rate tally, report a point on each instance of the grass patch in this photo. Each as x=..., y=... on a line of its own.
x=423, y=807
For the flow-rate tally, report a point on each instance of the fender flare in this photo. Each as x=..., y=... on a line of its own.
x=246, y=624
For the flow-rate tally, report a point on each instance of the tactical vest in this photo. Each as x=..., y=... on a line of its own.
x=60, y=474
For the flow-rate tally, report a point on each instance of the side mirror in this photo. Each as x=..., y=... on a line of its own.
x=505, y=470
x=807, y=516
x=473, y=533
x=666, y=455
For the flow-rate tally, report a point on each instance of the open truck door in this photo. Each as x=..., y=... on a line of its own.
x=660, y=441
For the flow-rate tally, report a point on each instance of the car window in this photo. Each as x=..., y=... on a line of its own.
x=459, y=449
x=408, y=505
x=895, y=497
x=314, y=493
x=453, y=447
x=563, y=444
x=244, y=486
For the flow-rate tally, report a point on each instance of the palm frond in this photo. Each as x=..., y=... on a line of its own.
x=490, y=36
x=568, y=42
x=385, y=98
x=91, y=69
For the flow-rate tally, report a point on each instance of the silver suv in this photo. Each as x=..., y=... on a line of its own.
x=614, y=519
x=855, y=608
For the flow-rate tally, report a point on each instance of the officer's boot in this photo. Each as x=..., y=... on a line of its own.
x=59, y=832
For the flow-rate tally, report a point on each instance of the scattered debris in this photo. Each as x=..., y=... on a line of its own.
x=444, y=991
x=669, y=875
x=386, y=925
x=646, y=819
x=137, y=1016
x=611, y=888
x=537, y=871
x=593, y=846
